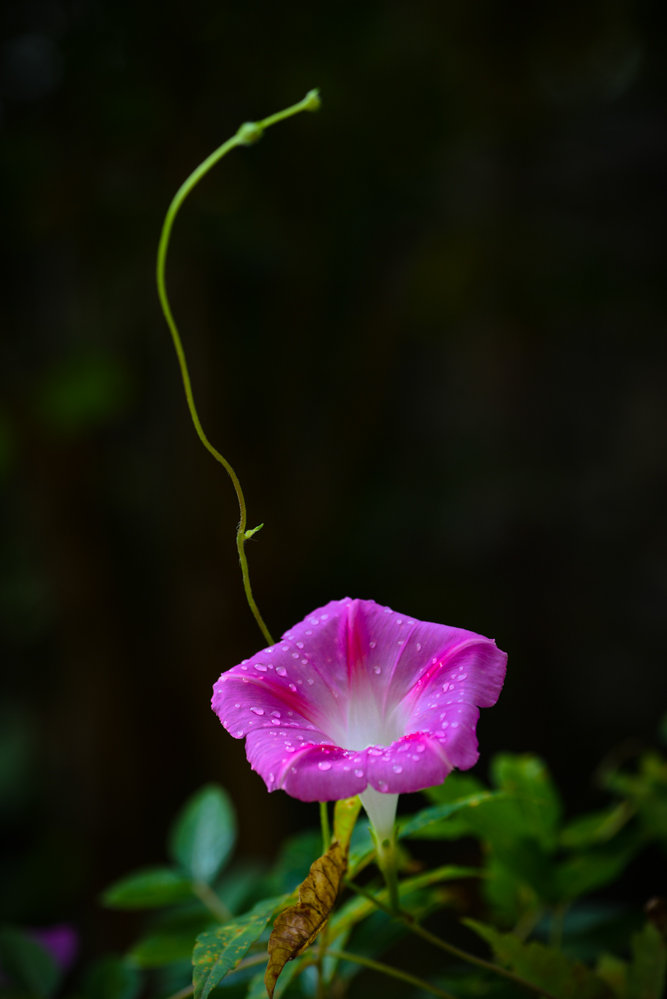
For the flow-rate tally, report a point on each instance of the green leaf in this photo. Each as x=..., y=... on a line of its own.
x=149, y=888
x=204, y=834
x=218, y=951
x=525, y=778
x=593, y=869
x=542, y=966
x=158, y=949
x=27, y=963
x=112, y=978
x=430, y=819
x=596, y=827
x=257, y=988
x=646, y=975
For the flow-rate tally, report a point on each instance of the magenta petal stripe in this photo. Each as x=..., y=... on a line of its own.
x=358, y=696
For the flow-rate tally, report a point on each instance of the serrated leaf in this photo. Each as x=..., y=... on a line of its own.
x=217, y=951
x=112, y=978
x=204, y=834
x=149, y=888
x=430, y=818
x=646, y=974
x=542, y=966
x=27, y=963
x=296, y=927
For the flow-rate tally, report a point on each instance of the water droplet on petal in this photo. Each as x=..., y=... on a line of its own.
x=420, y=747
x=310, y=681
x=292, y=686
x=397, y=768
x=372, y=645
x=281, y=671
x=257, y=711
x=358, y=772
x=377, y=670
x=295, y=655
x=275, y=721
x=260, y=667
x=382, y=785
x=237, y=705
x=323, y=765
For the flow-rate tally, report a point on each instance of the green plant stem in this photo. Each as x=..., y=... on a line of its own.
x=248, y=133
x=212, y=901
x=462, y=955
x=386, y=969
x=182, y=993
x=326, y=828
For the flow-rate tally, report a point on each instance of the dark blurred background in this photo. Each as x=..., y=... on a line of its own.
x=425, y=325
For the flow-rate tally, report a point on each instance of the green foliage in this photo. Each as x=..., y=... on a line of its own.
x=218, y=951
x=542, y=966
x=28, y=964
x=528, y=880
x=112, y=978
x=148, y=889
x=204, y=834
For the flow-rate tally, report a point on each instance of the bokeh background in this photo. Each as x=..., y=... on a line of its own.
x=426, y=326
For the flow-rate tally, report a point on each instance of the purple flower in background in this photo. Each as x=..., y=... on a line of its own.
x=61, y=941
x=357, y=699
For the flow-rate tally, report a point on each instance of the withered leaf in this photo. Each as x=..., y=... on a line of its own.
x=296, y=927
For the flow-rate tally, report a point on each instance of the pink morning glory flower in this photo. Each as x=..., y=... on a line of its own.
x=360, y=700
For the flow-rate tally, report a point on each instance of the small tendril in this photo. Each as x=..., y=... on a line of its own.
x=247, y=134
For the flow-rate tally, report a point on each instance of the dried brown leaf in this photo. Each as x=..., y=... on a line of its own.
x=295, y=928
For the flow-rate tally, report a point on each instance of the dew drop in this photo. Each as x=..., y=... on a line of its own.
x=257, y=711
x=377, y=670
x=275, y=721
x=299, y=645
x=420, y=747
x=237, y=705
x=323, y=765
x=281, y=671
x=419, y=646
x=292, y=686
x=372, y=645
x=295, y=655
x=260, y=667
x=382, y=785
x=397, y=768
x=454, y=724
x=358, y=772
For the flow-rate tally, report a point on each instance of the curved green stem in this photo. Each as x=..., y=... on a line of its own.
x=462, y=955
x=248, y=133
x=212, y=901
x=386, y=969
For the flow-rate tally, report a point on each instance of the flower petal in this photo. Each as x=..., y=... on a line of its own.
x=410, y=764
x=306, y=765
x=358, y=696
